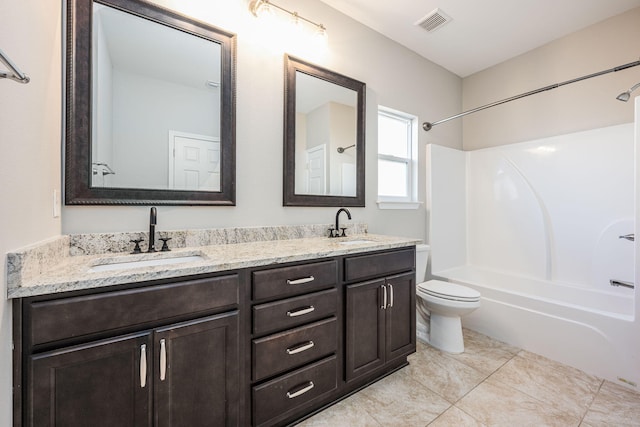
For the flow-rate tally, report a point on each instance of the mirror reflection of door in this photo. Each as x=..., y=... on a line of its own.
x=149, y=78
x=316, y=170
x=325, y=115
x=194, y=162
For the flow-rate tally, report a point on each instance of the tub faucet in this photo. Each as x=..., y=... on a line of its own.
x=336, y=232
x=153, y=220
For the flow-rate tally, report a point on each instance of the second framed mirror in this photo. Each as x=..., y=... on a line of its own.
x=324, y=137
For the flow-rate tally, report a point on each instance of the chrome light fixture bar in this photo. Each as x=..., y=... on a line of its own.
x=257, y=6
x=624, y=96
x=15, y=74
x=428, y=125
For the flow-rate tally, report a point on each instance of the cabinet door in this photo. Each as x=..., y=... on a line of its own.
x=105, y=383
x=401, y=316
x=365, y=328
x=197, y=372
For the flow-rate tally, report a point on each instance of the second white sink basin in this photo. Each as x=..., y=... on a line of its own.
x=111, y=264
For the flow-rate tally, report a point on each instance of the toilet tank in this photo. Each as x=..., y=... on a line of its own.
x=422, y=259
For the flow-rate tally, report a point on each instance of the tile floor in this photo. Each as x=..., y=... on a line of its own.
x=490, y=384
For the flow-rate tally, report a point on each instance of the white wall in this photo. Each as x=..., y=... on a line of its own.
x=589, y=104
x=395, y=77
x=30, y=135
x=144, y=111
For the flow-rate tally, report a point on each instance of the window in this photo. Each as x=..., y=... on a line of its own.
x=397, y=166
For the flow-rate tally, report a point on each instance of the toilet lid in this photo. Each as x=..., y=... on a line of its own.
x=448, y=290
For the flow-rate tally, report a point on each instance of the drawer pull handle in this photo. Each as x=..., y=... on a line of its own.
x=390, y=295
x=300, y=348
x=143, y=366
x=163, y=360
x=300, y=281
x=384, y=297
x=301, y=391
x=301, y=312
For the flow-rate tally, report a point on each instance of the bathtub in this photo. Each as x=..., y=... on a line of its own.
x=583, y=328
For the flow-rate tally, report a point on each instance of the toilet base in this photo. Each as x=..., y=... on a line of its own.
x=422, y=333
x=446, y=333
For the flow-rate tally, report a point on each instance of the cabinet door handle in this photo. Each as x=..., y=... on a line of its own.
x=301, y=311
x=384, y=297
x=300, y=391
x=143, y=366
x=390, y=295
x=300, y=348
x=163, y=360
x=300, y=281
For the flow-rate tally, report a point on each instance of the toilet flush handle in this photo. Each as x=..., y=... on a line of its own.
x=631, y=237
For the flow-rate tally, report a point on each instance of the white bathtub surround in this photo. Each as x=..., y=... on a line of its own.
x=539, y=239
x=584, y=330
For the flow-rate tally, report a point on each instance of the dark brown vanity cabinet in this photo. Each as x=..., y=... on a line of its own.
x=296, y=340
x=380, y=313
x=262, y=346
x=162, y=355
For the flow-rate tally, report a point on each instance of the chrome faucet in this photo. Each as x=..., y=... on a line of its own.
x=335, y=232
x=153, y=220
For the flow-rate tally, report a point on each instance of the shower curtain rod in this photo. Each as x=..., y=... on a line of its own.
x=16, y=74
x=428, y=125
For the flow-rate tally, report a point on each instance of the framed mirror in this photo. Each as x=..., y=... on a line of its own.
x=324, y=131
x=150, y=107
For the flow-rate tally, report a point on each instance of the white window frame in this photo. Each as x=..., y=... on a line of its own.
x=411, y=200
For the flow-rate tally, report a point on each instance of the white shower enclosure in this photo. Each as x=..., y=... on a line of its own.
x=536, y=227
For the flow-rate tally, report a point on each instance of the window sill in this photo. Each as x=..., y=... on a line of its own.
x=398, y=205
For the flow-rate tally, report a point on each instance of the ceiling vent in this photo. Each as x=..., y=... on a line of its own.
x=434, y=20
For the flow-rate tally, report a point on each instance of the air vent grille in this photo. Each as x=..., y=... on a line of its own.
x=434, y=20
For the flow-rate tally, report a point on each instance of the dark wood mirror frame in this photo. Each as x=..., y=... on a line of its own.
x=78, y=189
x=290, y=198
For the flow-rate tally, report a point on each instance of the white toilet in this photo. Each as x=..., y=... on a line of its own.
x=440, y=306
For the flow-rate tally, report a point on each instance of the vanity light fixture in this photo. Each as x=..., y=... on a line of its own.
x=265, y=7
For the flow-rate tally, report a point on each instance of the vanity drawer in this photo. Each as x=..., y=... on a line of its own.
x=279, y=315
x=287, y=350
x=293, y=280
x=380, y=264
x=64, y=318
x=288, y=392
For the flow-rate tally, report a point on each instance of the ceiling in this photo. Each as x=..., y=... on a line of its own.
x=481, y=33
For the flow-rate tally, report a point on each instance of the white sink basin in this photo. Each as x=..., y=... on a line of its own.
x=115, y=264
x=356, y=242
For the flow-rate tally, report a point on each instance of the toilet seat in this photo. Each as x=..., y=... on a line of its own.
x=448, y=290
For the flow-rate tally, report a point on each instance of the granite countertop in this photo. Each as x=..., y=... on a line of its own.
x=74, y=272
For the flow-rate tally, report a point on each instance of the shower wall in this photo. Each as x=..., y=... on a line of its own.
x=554, y=208
x=550, y=209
